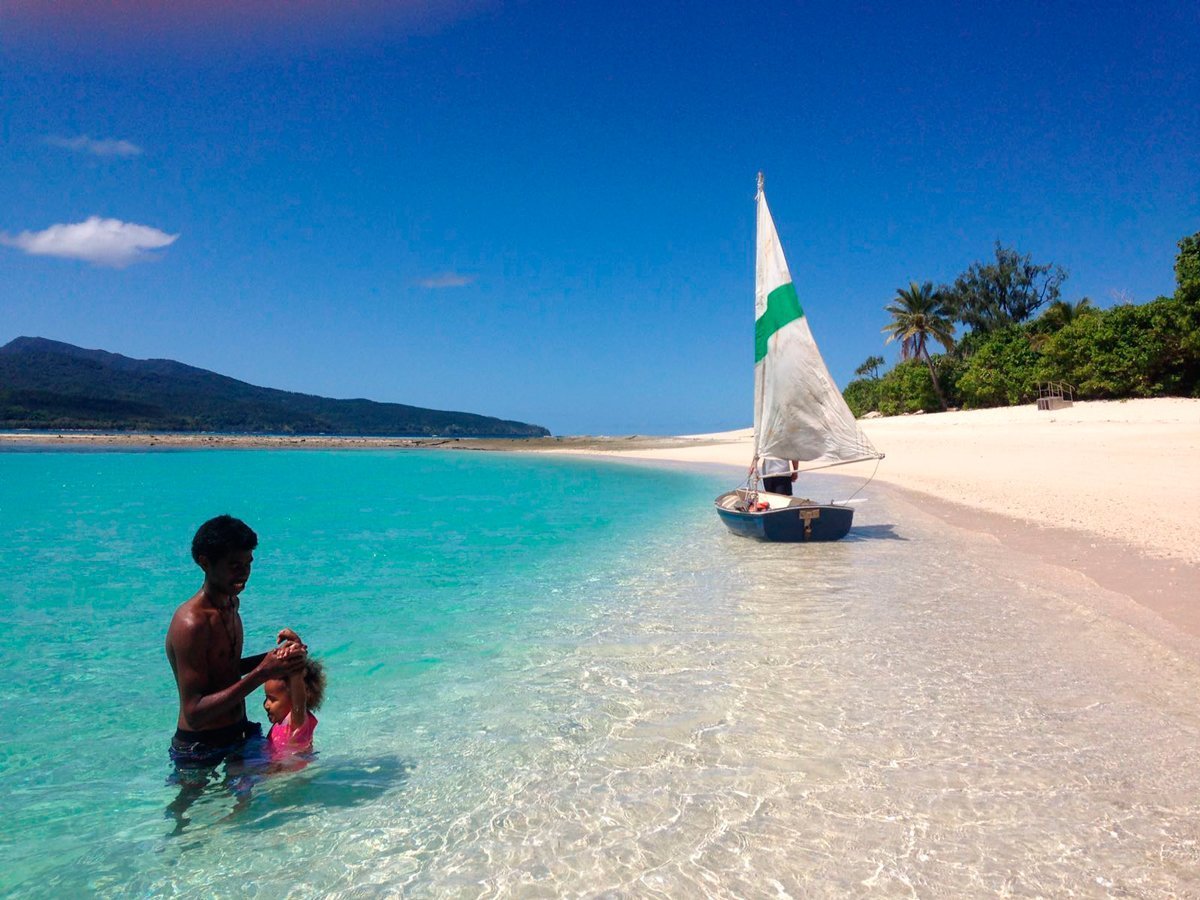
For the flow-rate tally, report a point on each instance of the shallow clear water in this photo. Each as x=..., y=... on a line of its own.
x=552, y=677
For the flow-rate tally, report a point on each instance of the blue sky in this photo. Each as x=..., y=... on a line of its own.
x=544, y=211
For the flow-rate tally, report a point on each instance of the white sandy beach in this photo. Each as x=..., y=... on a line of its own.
x=1127, y=470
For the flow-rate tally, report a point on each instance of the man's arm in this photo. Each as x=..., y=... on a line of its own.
x=200, y=710
x=249, y=662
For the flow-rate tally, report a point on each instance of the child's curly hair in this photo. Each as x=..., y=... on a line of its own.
x=314, y=683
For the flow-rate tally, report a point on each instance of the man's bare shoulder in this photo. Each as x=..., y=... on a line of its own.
x=190, y=617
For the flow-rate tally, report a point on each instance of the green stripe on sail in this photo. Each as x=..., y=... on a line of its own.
x=782, y=307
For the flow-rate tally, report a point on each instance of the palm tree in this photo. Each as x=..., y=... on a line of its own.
x=870, y=366
x=1061, y=313
x=1057, y=316
x=919, y=314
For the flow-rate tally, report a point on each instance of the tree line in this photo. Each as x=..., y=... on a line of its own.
x=1017, y=332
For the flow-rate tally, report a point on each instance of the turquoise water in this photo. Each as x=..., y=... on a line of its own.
x=552, y=677
x=434, y=585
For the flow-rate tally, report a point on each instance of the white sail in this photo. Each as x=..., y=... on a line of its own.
x=799, y=413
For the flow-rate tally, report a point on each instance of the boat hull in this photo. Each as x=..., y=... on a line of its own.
x=798, y=522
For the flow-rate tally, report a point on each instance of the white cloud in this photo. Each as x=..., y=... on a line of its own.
x=446, y=280
x=107, y=147
x=105, y=242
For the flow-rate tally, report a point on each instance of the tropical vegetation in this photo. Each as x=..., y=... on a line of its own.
x=1018, y=332
x=919, y=314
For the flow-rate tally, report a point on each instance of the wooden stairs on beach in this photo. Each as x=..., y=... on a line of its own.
x=1055, y=395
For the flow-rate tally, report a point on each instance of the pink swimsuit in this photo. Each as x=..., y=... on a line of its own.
x=284, y=739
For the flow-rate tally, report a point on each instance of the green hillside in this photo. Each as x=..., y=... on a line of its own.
x=47, y=384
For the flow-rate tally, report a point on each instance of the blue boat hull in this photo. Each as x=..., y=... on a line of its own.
x=802, y=523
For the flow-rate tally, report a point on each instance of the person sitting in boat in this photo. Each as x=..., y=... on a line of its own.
x=778, y=474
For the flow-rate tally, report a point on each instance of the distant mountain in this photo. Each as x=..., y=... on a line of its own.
x=51, y=385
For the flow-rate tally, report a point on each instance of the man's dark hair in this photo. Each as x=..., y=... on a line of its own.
x=219, y=537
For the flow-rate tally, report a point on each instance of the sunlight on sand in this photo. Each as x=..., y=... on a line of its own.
x=1128, y=470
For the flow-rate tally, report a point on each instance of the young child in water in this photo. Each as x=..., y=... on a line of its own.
x=289, y=704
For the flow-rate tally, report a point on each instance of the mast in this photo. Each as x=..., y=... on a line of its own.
x=758, y=382
x=799, y=413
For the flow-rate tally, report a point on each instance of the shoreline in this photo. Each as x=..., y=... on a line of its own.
x=1161, y=594
x=1080, y=488
x=1124, y=470
x=1108, y=489
x=73, y=440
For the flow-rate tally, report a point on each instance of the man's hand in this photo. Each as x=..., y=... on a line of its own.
x=286, y=659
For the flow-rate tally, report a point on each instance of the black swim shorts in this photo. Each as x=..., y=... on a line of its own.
x=778, y=484
x=200, y=749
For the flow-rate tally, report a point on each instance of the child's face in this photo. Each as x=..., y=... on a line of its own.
x=277, y=703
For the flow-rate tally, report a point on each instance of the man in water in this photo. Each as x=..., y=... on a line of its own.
x=204, y=647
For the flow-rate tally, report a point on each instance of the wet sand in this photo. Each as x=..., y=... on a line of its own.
x=1106, y=489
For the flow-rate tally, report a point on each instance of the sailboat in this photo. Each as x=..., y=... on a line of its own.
x=799, y=414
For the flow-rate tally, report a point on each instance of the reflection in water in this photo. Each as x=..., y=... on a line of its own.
x=265, y=793
x=334, y=782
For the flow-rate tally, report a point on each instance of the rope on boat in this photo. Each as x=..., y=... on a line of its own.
x=751, y=486
x=796, y=471
x=753, y=476
x=878, y=460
